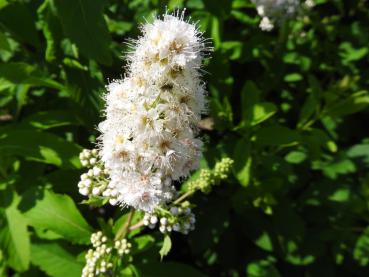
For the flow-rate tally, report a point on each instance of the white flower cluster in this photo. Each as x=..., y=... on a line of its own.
x=123, y=246
x=94, y=182
x=149, y=136
x=273, y=11
x=179, y=220
x=99, y=259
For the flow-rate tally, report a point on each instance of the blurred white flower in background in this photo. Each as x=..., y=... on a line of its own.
x=274, y=11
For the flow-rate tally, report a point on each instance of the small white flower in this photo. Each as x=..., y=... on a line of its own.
x=83, y=191
x=266, y=24
x=153, y=220
x=162, y=229
x=163, y=221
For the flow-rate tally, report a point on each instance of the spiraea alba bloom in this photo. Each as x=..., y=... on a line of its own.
x=274, y=11
x=149, y=137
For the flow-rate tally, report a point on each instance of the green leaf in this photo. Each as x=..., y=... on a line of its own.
x=18, y=19
x=51, y=119
x=293, y=77
x=4, y=44
x=243, y=161
x=22, y=73
x=350, y=54
x=335, y=168
x=295, y=157
x=341, y=195
x=262, y=268
x=54, y=260
x=262, y=111
x=233, y=49
x=14, y=238
x=167, y=245
x=49, y=148
x=264, y=242
x=352, y=104
x=361, y=250
x=311, y=104
x=51, y=29
x=142, y=243
x=277, y=135
x=250, y=95
x=83, y=22
x=59, y=214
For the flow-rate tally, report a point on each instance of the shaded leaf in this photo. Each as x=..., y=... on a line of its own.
x=49, y=148
x=277, y=135
x=59, y=214
x=54, y=260
x=83, y=22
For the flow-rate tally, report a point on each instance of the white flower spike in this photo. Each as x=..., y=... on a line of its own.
x=149, y=138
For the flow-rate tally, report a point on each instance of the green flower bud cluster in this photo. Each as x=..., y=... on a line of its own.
x=100, y=259
x=208, y=178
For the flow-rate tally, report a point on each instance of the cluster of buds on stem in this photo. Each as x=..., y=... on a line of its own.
x=208, y=178
x=177, y=218
x=101, y=258
x=94, y=182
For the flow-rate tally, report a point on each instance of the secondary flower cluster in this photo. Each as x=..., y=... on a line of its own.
x=274, y=11
x=178, y=218
x=208, y=178
x=94, y=182
x=99, y=260
x=149, y=138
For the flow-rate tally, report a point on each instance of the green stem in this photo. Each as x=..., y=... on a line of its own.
x=183, y=197
x=136, y=226
x=122, y=232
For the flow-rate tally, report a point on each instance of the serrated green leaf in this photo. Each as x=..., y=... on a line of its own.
x=14, y=238
x=59, y=214
x=54, y=260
